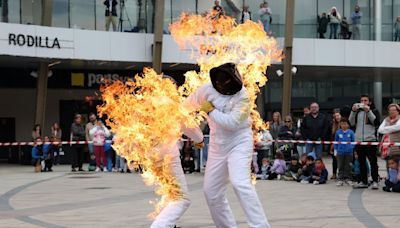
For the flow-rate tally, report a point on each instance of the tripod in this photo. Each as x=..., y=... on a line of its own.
x=123, y=11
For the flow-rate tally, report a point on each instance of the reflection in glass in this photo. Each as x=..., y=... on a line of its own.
x=82, y=14
x=60, y=14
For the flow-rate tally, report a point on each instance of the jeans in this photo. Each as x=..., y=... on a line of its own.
x=316, y=148
x=356, y=31
x=205, y=149
x=334, y=28
x=344, y=166
x=266, y=25
x=369, y=152
x=397, y=35
x=301, y=149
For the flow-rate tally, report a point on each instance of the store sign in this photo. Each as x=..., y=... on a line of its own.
x=97, y=79
x=33, y=41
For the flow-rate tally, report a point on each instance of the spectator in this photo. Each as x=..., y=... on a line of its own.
x=36, y=132
x=356, y=21
x=335, y=127
x=392, y=183
x=111, y=14
x=287, y=132
x=265, y=16
x=278, y=168
x=397, y=29
x=77, y=134
x=274, y=129
x=37, y=155
x=99, y=134
x=218, y=10
x=390, y=127
x=323, y=22
x=264, y=170
x=293, y=169
x=344, y=152
x=365, y=118
x=345, y=29
x=334, y=19
x=301, y=147
x=319, y=173
x=89, y=126
x=314, y=128
x=56, y=134
x=246, y=14
x=206, y=132
x=307, y=170
x=109, y=152
x=47, y=155
x=263, y=146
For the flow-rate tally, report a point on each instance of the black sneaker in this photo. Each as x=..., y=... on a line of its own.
x=81, y=170
x=73, y=170
x=386, y=189
x=50, y=170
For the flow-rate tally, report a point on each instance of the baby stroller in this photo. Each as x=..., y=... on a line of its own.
x=286, y=149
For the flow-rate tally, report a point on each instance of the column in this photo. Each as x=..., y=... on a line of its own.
x=41, y=94
x=378, y=72
x=158, y=36
x=378, y=20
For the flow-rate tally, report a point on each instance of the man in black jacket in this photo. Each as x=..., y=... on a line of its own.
x=111, y=14
x=315, y=128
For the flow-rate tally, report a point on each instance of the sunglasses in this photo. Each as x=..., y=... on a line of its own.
x=288, y=121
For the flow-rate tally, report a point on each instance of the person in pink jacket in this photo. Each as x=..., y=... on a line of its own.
x=99, y=134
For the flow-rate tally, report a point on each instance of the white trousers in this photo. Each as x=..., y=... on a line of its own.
x=170, y=215
x=233, y=166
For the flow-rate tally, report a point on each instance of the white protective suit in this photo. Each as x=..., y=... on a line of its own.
x=229, y=156
x=170, y=215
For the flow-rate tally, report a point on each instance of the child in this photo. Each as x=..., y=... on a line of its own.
x=278, y=168
x=307, y=170
x=37, y=155
x=99, y=134
x=392, y=183
x=319, y=173
x=47, y=155
x=265, y=170
x=344, y=151
x=293, y=169
x=92, y=163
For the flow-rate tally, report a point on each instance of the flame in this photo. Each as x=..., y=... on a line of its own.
x=144, y=114
x=217, y=40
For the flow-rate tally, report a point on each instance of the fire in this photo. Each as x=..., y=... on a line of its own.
x=145, y=114
x=217, y=41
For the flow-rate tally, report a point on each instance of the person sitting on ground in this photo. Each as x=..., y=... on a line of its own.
x=278, y=168
x=37, y=155
x=92, y=163
x=319, y=173
x=47, y=155
x=306, y=171
x=264, y=170
x=293, y=169
x=344, y=151
x=392, y=183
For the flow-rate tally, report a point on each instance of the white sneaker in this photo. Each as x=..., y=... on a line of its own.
x=279, y=176
x=339, y=183
x=97, y=169
x=316, y=182
x=349, y=182
x=375, y=186
x=105, y=169
x=304, y=182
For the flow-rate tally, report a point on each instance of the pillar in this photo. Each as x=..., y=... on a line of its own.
x=41, y=94
x=378, y=73
x=287, y=63
x=378, y=20
x=158, y=36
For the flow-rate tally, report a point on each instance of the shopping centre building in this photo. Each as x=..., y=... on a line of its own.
x=76, y=52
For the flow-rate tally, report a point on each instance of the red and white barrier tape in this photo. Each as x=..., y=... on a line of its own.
x=279, y=140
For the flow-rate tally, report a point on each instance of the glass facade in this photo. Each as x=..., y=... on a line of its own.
x=138, y=15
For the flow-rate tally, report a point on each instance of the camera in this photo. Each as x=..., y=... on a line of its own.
x=359, y=105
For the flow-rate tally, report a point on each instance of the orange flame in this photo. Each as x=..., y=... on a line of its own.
x=144, y=114
x=218, y=40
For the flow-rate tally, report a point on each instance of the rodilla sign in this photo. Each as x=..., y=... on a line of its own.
x=33, y=41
